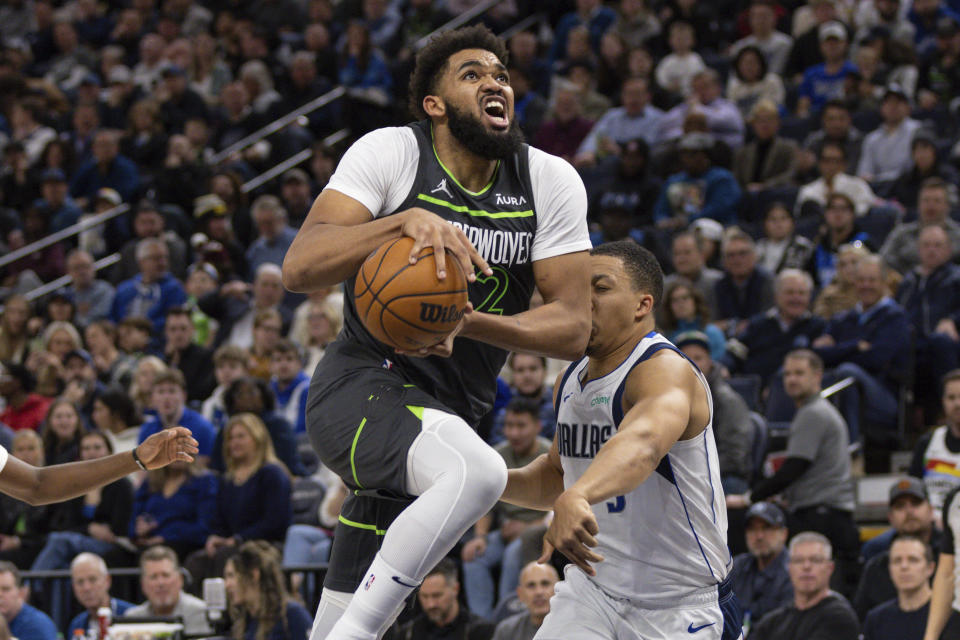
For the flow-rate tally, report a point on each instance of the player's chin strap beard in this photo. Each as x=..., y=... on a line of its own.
x=471, y=133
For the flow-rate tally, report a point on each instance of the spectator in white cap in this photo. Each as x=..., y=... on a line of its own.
x=825, y=81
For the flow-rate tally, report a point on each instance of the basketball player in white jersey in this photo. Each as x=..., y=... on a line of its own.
x=632, y=477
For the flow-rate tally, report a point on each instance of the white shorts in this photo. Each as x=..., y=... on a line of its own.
x=580, y=610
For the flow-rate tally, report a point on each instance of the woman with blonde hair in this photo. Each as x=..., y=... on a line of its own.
x=253, y=496
x=46, y=364
x=315, y=324
x=61, y=432
x=260, y=607
x=147, y=369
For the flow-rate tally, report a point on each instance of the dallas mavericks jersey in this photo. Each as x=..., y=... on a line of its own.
x=666, y=539
x=501, y=222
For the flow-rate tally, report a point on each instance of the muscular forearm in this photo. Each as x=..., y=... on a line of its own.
x=325, y=254
x=626, y=460
x=535, y=486
x=555, y=330
x=940, y=603
x=65, y=481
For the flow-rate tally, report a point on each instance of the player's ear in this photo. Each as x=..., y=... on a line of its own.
x=644, y=306
x=434, y=106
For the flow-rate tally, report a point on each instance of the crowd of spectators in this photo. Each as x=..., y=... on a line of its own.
x=794, y=166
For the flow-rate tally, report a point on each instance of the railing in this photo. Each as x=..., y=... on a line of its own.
x=457, y=21
x=63, y=234
x=64, y=281
x=278, y=124
x=292, y=161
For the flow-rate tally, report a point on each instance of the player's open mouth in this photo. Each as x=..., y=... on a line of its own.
x=495, y=111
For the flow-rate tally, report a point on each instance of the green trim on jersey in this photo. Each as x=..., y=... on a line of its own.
x=493, y=178
x=417, y=411
x=353, y=451
x=476, y=213
x=361, y=525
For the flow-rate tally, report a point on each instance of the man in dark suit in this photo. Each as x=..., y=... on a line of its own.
x=195, y=362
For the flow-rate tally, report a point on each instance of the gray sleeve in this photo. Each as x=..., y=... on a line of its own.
x=733, y=433
x=806, y=433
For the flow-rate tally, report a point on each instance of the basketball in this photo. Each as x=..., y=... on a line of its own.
x=405, y=305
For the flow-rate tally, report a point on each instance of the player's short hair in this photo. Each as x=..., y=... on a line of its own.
x=446, y=568
x=521, y=404
x=432, y=60
x=812, y=536
x=815, y=361
x=927, y=550
x=641, y=265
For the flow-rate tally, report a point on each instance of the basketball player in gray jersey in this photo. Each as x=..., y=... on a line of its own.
x=632, y=477
x=398, y=427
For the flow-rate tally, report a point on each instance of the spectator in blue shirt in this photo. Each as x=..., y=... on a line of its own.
x=56, y=201
x=253, y=496
x=107, y=168
x=591, y=13
x=152, y=292
x=290, y=383
x=700, y=190
x=169, y=397
x=868, y=343
x=91, y=586
x=25, y=622
x=825, y=81
x=274, y=235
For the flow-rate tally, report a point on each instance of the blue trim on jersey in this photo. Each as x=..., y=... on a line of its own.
x=690, y=522
x=617, y=406
x=731, y=610
x=706, y=452
x=632, y=351
x=666, y=470
x=563, y=383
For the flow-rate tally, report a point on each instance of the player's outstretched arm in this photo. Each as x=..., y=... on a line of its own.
x=340, y=232
x=657, y=408
x=538, y=484
x=560, y=328
x=43, y=485
x=940, y=602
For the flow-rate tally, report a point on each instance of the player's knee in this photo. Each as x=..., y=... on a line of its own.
x=486, y=477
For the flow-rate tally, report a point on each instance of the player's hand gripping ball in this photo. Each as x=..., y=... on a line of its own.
x=405, y=305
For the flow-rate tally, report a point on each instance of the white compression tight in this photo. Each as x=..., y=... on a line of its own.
x=457, y=478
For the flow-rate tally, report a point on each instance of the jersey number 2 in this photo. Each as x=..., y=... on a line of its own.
x=618, y=505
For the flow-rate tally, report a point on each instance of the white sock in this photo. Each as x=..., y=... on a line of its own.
x=383, y=589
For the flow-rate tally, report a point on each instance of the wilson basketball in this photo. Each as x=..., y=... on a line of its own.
x=405, y=305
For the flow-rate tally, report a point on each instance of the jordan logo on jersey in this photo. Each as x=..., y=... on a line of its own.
x=582, y=440
x=442, y=187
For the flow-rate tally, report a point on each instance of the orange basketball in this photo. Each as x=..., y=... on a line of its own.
x=405, y=305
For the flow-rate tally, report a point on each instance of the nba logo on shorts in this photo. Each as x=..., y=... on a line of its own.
x=369, y=582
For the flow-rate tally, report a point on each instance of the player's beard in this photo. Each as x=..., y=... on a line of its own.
x=478, y=140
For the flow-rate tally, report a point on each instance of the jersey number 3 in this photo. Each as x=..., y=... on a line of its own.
x=619, y=504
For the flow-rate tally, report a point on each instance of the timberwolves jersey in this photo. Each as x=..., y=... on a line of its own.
x=666, y=539
x=501, y=222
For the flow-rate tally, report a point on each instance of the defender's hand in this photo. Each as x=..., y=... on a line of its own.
x=430, y=230
x=572, y=532
x=168, y=445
